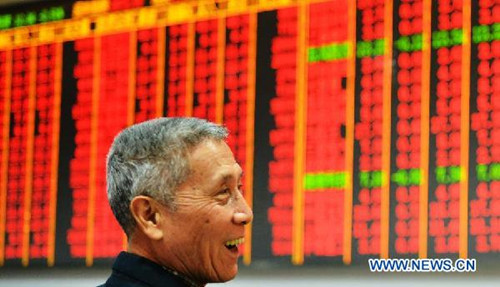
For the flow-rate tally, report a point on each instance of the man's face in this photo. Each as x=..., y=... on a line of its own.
x=209, y=217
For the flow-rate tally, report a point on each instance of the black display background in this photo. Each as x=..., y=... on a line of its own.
x=264, y=123
x=67, y=146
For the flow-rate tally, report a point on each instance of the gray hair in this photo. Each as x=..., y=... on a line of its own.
x=150, y=159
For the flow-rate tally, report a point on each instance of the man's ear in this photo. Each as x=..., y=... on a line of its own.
x=147, y=215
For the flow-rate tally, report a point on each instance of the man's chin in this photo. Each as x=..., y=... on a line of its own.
x=226, y=276
x=225, y=279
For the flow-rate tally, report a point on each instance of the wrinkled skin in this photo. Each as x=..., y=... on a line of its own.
x=210, y=210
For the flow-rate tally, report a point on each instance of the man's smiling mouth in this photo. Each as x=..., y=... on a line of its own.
x=233, y=244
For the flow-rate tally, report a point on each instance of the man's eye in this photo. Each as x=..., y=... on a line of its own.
x=240, y=187
x=223, y=196
x=224, y=191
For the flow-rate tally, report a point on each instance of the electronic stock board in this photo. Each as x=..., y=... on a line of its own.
x=367, y=129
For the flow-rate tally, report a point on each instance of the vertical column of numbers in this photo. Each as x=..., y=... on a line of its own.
x=484, y=208
x=281, y=177
x=80, y=163
x=146, y=74
x=42, y=161
x=325, y=143
x=445, y=129
x=205, y=70
x=17, y=153
x=5, y=102
x=406, y=171
x=176, y=70
x=368, y=128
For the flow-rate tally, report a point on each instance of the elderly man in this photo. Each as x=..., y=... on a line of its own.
x=175, y=188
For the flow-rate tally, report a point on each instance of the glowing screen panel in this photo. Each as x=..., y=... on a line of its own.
x=365, y=128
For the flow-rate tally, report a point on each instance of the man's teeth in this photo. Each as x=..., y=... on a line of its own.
x=235, y=242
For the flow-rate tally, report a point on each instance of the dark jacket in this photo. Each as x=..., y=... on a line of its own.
x=130, y=270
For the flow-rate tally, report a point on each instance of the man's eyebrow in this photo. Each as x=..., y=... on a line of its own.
x=225, y=177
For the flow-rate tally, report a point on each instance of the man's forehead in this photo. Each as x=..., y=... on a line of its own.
x=214, y=157
x=214, y=177
x=218, y=171
x=217, y=151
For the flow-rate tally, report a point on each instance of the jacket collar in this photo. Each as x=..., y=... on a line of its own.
x=142, y=269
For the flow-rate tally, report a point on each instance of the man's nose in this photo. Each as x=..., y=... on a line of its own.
x=243, y=214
